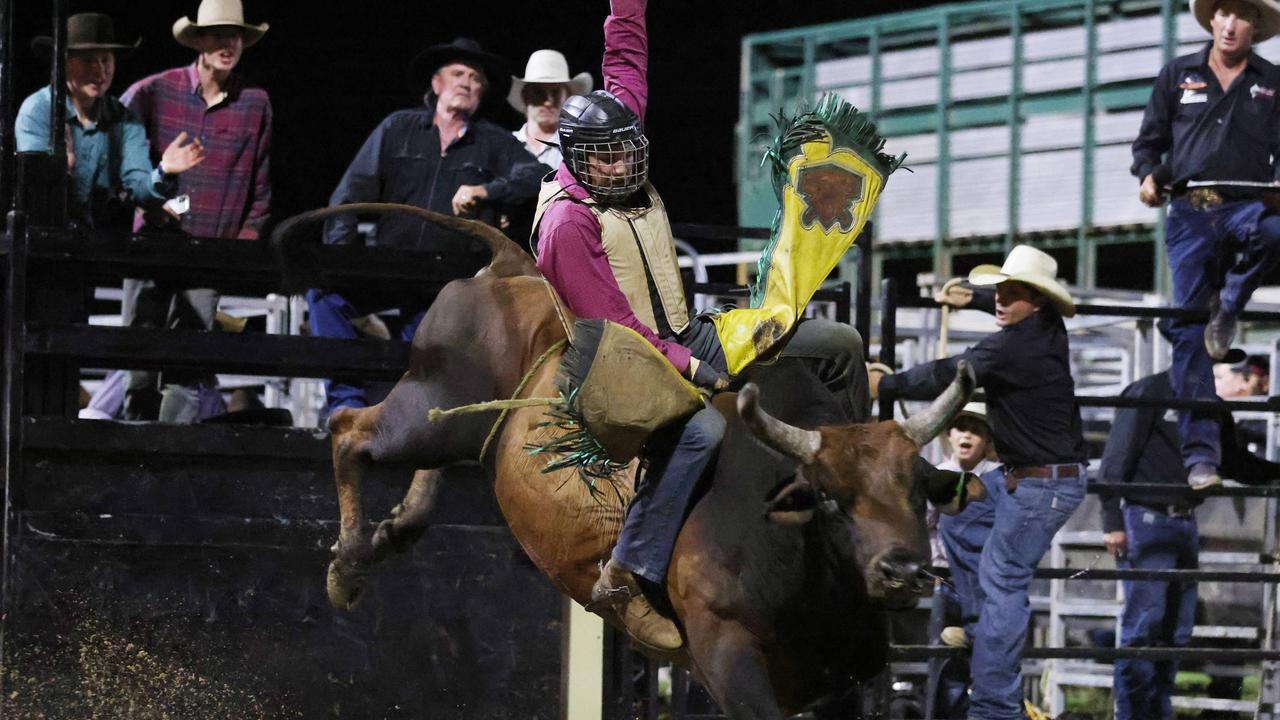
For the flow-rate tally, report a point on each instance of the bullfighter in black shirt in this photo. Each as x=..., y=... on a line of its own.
x=1035, y=422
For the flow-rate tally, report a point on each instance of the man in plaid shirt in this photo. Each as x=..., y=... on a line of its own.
x=228, y=197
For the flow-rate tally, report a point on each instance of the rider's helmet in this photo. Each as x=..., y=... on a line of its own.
x=603, y=144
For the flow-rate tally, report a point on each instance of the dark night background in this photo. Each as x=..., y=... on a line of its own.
x=335, y=69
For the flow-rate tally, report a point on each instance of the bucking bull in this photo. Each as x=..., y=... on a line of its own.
x=805, y=533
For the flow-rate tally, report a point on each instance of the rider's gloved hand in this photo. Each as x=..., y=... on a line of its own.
x=705, y=376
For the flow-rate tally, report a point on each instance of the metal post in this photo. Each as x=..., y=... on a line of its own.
x=1084, y=255
x=942, y=204
x=862, y=309
x=1015, y=127
x=844, y=302
x=14, y=339
x=888, y=335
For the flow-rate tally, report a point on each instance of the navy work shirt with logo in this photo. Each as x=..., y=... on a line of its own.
x=1209, y=133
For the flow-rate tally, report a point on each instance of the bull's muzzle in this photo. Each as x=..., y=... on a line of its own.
x=900, y=576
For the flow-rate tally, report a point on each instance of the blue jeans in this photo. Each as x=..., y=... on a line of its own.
x=678, y=456
x=1010, y=540
x=330, y=316
x=1156, y=613
x=963, y=536
x=1225, y=250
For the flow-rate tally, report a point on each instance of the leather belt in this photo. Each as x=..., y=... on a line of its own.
x=1207, y=198
x=1065, y=470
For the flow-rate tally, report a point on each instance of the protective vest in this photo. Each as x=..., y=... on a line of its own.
x=641, y=253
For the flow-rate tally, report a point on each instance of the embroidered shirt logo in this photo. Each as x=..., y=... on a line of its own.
x=829, y=193
x=1193, y=96
x=1257, y=90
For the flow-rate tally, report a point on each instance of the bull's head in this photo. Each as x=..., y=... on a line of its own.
x=859, y=481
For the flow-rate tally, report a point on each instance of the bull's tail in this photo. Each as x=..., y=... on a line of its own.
x=508, y=259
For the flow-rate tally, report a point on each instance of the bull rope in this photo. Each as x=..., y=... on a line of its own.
x=506, y=406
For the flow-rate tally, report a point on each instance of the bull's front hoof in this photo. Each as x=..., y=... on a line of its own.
x=344, y=585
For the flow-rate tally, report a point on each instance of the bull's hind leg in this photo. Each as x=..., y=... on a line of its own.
x=408, y=519
x=352, y=435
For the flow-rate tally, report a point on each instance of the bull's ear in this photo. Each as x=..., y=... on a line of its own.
x=792, y=504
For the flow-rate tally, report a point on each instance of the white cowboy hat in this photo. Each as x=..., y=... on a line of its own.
x=1268, y=17
x=547, y=66
x=217, y=13
x=1036, y=268
x=975, y=410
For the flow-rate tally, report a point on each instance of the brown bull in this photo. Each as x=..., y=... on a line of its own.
x=783, y=569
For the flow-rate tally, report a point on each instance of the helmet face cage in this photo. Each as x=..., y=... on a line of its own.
x=610, y=170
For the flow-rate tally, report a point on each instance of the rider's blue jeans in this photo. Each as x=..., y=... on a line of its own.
x=679, y=455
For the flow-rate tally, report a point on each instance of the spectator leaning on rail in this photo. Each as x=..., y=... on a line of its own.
x=1035, y=422
x=1157, y=531
x=1215, y=114
x=106, y=145
x=228, y=196
x=440, y=157
x=603, y=241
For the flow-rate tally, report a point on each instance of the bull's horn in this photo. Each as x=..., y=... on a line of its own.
x=787, y=439
x=925, y=425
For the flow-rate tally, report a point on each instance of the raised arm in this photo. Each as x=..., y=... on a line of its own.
x=626, y=54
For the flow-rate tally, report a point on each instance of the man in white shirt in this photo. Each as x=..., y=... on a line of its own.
x=538, y=96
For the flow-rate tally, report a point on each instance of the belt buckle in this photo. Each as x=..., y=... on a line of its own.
x=1178, y=511
x=1204, y=198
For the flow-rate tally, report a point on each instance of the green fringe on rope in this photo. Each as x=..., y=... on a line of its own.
x=576, y=446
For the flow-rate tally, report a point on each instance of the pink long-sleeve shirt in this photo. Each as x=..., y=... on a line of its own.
x=570, y=253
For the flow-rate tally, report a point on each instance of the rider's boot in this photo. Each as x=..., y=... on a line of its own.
x=618, y=587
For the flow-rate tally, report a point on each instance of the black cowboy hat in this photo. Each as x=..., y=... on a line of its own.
x=469, y=52
x=85, y=31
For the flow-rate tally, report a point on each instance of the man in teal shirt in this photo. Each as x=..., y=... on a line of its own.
x=107, y=152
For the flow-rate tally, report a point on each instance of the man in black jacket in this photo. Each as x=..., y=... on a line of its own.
x=439, y=156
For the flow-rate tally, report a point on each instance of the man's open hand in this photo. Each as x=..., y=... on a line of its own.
x=181, y=155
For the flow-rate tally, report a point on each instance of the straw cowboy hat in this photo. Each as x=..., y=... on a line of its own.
x=547, y=66
x=1033, y=267
x=217, y=13
x=1268, y=17
x=86, y=31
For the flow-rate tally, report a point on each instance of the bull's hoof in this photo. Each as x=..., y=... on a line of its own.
x=344, y=586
